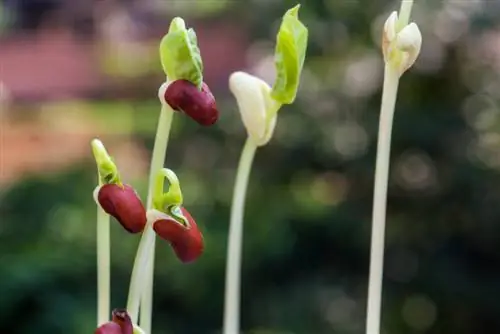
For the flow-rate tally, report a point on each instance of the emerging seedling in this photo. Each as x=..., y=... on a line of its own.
x=183, y=91
x=172, y=222
x=259, y=104
x=120, y=201
x=117, y=199
x=401, y=43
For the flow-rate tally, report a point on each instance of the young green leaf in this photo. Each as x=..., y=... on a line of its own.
x=291, y=46
x=106, y=167
x=180, y=55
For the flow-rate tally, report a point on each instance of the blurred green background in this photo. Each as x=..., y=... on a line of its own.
x=75, y=69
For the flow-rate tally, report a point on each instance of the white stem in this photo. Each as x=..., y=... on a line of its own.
x=235, y=242
x=404, y=13
x=146, y=315
x=390, y=90
x=141, y=281
x=389, y=95
x=103, y=266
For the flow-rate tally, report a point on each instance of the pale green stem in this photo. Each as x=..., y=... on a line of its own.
x=391, y=81
x=103, y=266
x=404, y=14
x=235, y=241
x=389, y=95
x=157, y=161
x=146, y=314
x=141, y=281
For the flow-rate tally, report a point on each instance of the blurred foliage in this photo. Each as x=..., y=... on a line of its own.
x=308, y=210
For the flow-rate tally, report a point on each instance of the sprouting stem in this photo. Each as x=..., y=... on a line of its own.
x=103, y=265
x=389, y=95
x=380, y=200
x=141, y=281
x=235, y=241
x=404, y=14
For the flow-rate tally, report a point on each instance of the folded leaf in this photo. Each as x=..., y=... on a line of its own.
x=180, y=55
x=291, y=46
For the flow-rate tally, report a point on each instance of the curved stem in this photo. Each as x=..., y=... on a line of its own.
x=103, y=266
x=173, y=196
x=233, y=265
x=391, y=82
x=141, y=280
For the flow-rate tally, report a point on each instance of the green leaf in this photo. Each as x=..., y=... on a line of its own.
x=180, y=55
x=106, y=167
x=290, y=53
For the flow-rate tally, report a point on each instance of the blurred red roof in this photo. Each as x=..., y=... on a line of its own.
x=55, y=64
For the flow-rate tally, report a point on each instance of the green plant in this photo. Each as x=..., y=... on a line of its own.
x=163, y=215
x=401, y=43
x=259, y=104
